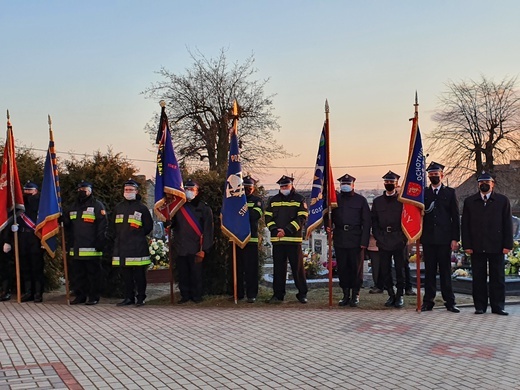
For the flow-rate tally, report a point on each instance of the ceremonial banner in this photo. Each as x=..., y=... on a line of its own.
x=412, y=189
x=235, y=214
x=49, y=211
x=11, y=197
x=323, y=193
x=169, y=191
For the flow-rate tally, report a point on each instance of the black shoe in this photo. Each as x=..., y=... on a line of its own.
x=344, y=301
x=5, y=297
x=479, y=311
x=78, y=301
x=38, y=299
x=375, y=290
x=399, y=302
x=274, y=299
x=140, y=302
x=301, y=298
x=27, y=297
x=453, y=309
x=390, y=301
x=354, y=301
x=500, y=312
x=251, y=300
x=426, y=307
x=183, y=300
x=197, y=299
x=410, y=292
x=92, y=302
x=126, y=302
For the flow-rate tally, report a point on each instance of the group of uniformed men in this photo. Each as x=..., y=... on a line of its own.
x=486, y=237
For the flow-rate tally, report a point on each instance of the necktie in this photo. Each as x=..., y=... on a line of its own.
x=436, y=191
x=485, y=197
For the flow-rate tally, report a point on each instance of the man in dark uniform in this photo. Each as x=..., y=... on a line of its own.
x=487, y=235
x=31, y=252
x=386, y=228
x=285, y=217
x=351, y=232
x=441, y=234
x=247, y=258
x=85, y=229
x=6, y=263
x=130, y=225
x=192, y=240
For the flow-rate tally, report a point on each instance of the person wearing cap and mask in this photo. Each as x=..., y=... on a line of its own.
x=440, y=236
x=130, y=224
x=390, y=239
x=247, y=258
x=487, y=235
x=192, y=228
x=85, y=224
x=285, y=217
x=30, y=248
x=351, y=232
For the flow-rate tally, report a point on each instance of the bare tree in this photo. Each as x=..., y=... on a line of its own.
x=478, y=124
x=198, y=107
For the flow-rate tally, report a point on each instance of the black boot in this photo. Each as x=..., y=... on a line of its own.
x=6, y=294
x=399, y=301
x=38, y=296
x=354, y=301
x=346, y=297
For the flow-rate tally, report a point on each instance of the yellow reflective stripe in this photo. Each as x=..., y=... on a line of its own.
x=135, y=221
x=88, y=216
x=285, y=204
x=304, y=213
x=85, y=252
x=73, y=217
x=269, y=213
x=259, y=210
x=295, y=224
x=115, y=262
x=132, y=261
x=119, y=220
x=253, y=239
x=286, y=239
x=270, y=223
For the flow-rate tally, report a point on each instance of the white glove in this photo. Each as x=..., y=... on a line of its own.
x=7, y=247
x=14, y=228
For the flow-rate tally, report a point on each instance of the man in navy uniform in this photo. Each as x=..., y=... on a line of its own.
x=285, y=217
x=391, y=241
x=351, y=231
x=487, y=235
x=247, y=258
x=441, y=234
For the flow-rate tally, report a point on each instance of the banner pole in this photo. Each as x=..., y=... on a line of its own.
x=418, y=274
x=170, y=267
x=329, y=211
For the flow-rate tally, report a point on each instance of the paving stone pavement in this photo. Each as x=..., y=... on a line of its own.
x=56, y=346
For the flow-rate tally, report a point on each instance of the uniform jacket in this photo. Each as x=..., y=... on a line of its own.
x=29, y=242
x=185, y=240
x=351, y=221
x=386, y=223
x=288, y=213
x=256, y=211
x=86, y=228
x=487, y=228
x=441, y=224
x=131, y=222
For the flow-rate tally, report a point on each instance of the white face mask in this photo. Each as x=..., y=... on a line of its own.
x=345, y=188
x=190, y=195
x=130, y=195
x=285, y=192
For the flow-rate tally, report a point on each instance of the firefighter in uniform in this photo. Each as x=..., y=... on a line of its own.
x=247, y=258
x=285, y=217
x=390, y=239
x=441, y=234
x=192, y=228
x=351, y=232
x=487, y=235
x=6, y=263
x=85, y=226
x=130, y=225
x=31, y=252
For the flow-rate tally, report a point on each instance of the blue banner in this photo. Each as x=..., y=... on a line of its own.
x=169, y=191
x=235, y=214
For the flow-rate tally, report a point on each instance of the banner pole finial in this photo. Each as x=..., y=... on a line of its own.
x=162, y=103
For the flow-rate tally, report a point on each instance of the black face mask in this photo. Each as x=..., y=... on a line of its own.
x=434, y=180
x=82, y=195
x=484, y=187
x=389, y=187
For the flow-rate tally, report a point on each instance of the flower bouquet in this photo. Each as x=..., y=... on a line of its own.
x=513, y=260
x=158, y=254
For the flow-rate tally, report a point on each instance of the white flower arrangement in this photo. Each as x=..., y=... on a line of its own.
x=159, y=254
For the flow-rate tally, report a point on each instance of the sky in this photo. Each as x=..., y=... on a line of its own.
x=86, y=64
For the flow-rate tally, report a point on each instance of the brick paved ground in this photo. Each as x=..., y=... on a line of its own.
x=59, y=346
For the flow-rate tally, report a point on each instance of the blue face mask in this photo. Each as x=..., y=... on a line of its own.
x=285, y=192
x=345, y=188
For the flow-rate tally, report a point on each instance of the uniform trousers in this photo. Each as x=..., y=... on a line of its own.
x=293, y=253
x=348, y=260
x=31, y=268
x=386, y=270
x=376, y=269
x=437, y=256
x=87, y=274
x=135, y=279
x=247, y=270
x=190, y=277
x=497, y=283
x=7, y=271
